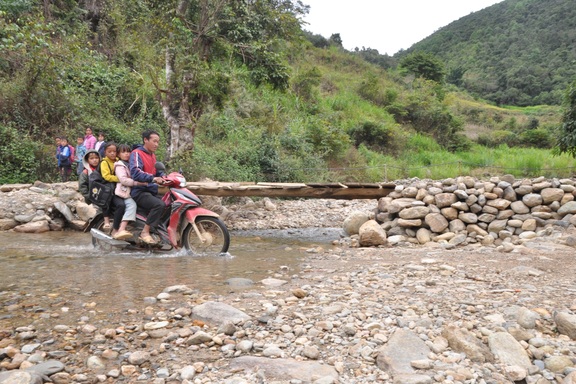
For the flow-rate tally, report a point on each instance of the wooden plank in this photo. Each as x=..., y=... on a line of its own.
x=308, y=192
x=324, y=185
x=283, y=185
x=362, y=185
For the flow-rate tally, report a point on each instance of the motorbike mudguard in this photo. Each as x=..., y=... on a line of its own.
x=90, y=223
x=191, y=215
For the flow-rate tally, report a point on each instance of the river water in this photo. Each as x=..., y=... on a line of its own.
x=38, y=269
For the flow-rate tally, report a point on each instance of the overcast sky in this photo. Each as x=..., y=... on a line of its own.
x=386, y=25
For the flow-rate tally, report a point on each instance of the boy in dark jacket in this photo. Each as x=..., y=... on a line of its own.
x=90, y=161
x=64, y=162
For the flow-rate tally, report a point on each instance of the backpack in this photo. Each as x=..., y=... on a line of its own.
x=100, y=191
x=71, y=157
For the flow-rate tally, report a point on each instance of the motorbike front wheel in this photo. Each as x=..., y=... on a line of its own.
x=212, y=237
x=100, y=244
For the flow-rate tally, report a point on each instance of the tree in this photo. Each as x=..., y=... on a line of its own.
x=566, y=139
x=205, y=40
x=336, y=40
x=424, y=65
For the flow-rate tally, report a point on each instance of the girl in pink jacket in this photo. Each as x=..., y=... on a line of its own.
x=123, y=188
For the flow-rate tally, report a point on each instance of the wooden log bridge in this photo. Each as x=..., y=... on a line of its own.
x=347, y=191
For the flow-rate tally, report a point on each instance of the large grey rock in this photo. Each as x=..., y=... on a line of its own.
x=463, y=341
x=519, y=207
x=64, y=210
x=217, y=313
x=507, y=350
x=423, y=235
x=449, y=213
x=7, y=224
x=569, y=207
x=86, y=211
x=284, y=369
x=399, y=204
x=353, y=222
x=445, y=199
x=499, y=204
x=551, y=194
x=436, y=221
x=414, y=213
x=532, y=200
x=20, y=377
x=33, y=227
x=566, y=324
x=468, y=217
x=497, y=226
x=371, y=234
x=403, y=347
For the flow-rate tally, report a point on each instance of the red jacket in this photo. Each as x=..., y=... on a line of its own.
x=143, y=169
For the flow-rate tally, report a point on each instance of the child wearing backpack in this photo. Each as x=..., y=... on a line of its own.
x=123, y=188
x=64, y=162
x=117, y=204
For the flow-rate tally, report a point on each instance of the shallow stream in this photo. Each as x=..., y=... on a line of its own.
x=51, y=271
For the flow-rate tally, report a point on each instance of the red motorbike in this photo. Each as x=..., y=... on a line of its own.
x=184, y=224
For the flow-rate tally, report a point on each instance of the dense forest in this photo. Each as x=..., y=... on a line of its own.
x=240, y=92
x=517, y=52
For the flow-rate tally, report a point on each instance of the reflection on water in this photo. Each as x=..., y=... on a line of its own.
x=58, y=263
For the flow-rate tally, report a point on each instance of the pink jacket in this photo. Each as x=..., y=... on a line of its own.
x=89, y=142
x=124, y=186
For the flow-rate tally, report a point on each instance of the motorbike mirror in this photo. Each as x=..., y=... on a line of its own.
x=160, y=166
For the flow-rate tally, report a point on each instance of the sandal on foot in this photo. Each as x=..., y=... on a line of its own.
x=147, y=239
x=106, y=228
x=122, y=235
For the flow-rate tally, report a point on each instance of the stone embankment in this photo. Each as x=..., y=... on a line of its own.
x=500, y=212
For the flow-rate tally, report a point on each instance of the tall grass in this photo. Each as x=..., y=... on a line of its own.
x=425, y=161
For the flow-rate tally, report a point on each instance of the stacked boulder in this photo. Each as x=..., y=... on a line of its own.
x=467, y=210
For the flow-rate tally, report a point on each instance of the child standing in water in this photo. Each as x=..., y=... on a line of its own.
x=117, y=204
x=122, y=171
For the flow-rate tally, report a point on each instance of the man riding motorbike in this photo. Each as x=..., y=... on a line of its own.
x=143, y=169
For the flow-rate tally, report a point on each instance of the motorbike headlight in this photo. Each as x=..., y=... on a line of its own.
x=182, y=181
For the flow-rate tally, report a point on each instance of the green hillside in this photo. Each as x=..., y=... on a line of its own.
x=239, y=93
x=517, y=52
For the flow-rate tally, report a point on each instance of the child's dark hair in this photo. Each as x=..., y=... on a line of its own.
x=110, y=144
x=123, y=148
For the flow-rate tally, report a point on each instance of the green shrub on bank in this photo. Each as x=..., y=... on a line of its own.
x=21, y=158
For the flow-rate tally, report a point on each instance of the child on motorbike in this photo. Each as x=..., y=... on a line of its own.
x=123, y=188
x=90, y=161
x=117, y=205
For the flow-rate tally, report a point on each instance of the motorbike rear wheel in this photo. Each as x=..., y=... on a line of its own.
x=214, y=236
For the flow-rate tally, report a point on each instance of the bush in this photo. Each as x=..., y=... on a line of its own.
x=375, y=136
x=327, y=139
x=20, y=157
x=537, y=138
x=370, y=90
x=304, y=84
x=496, y=138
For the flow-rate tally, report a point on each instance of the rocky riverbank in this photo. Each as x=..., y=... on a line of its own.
x=407, y=313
